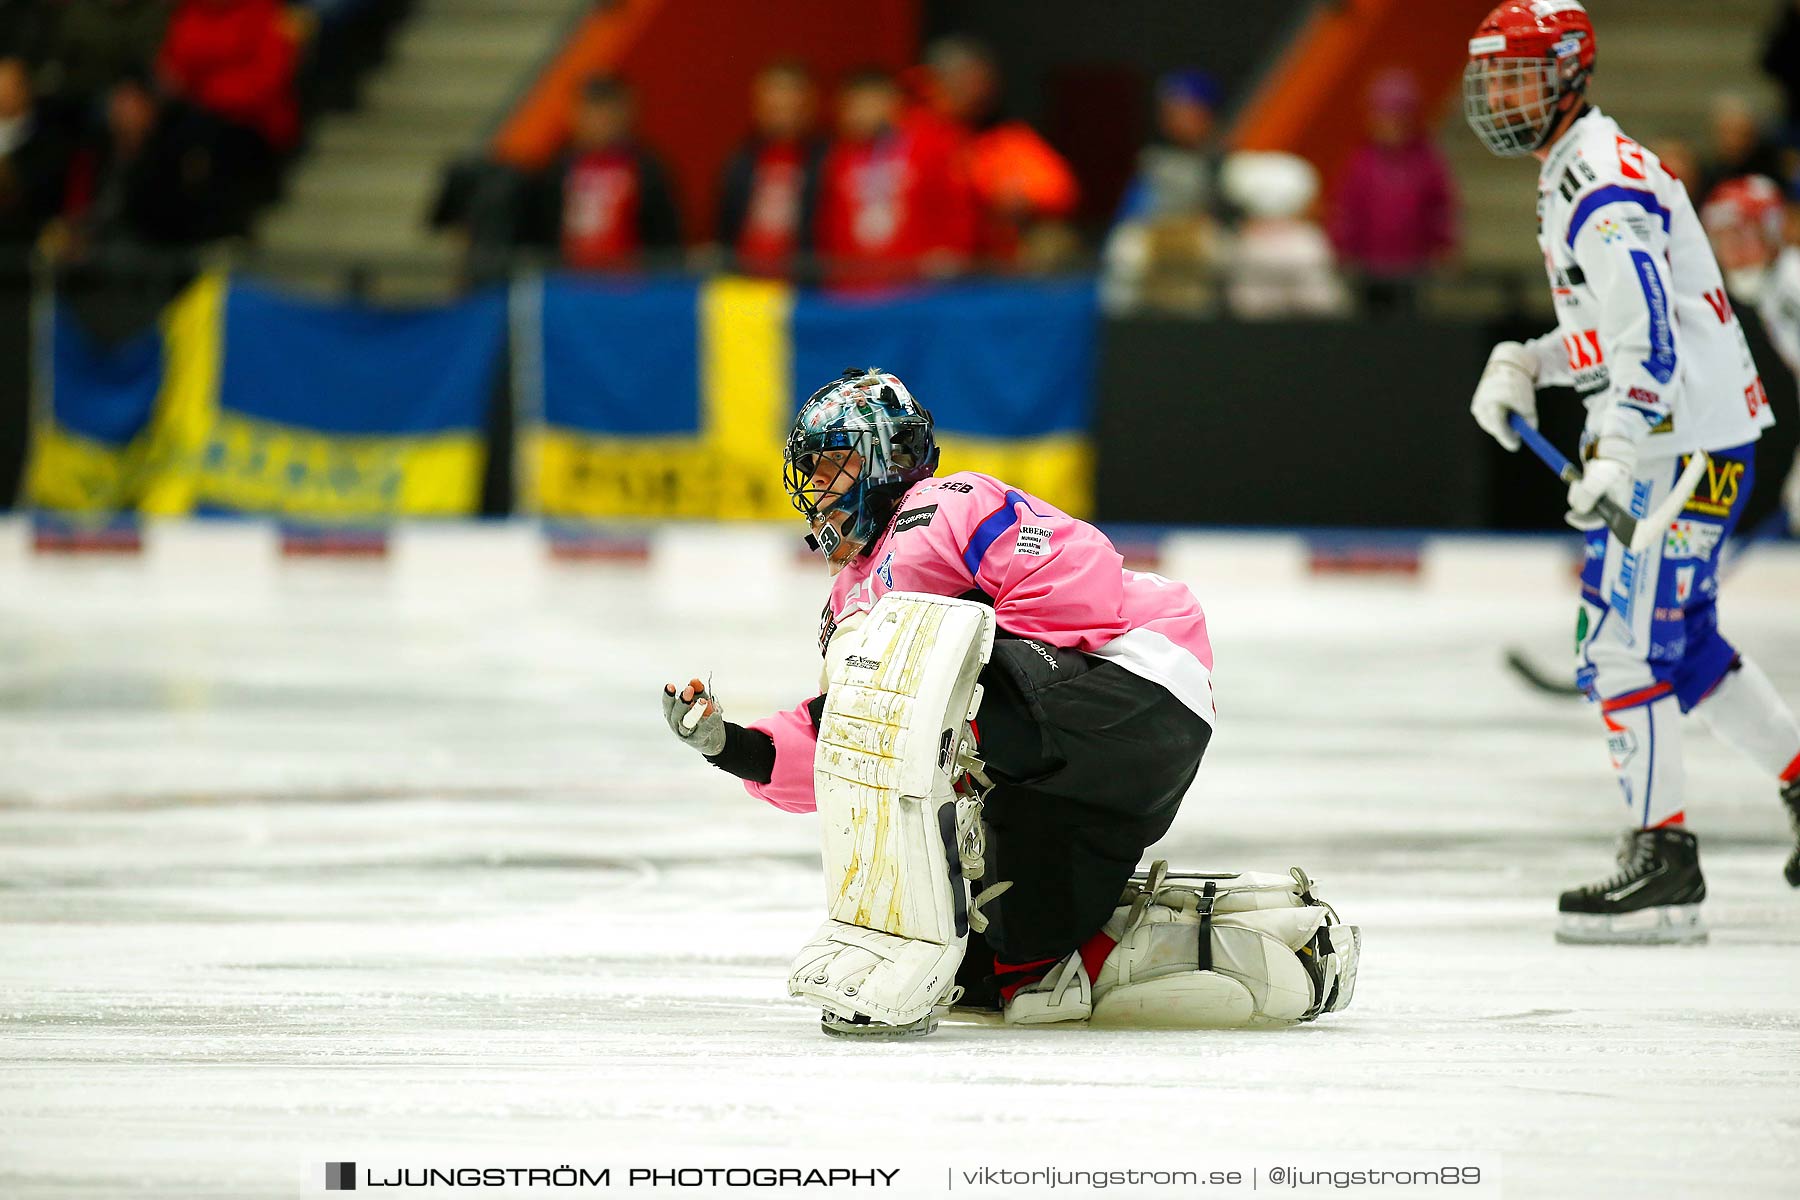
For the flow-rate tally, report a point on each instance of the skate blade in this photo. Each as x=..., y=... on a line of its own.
x=959, y=1015
x=1671, y=924
x=832, y=1025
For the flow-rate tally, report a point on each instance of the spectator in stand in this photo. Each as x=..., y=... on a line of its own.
x=607, y=202
x=1178, y=176
x=895, y=201
x=97, y=42
x=235, y=60
x=1781, y=62
x=1167, y=236
x=33, y=160
x=1745, y=221
x=1280, y=261
x=1739, y=146
x=151, y=181
x=770, y=189
x=1393, y=215
x=1025, y=190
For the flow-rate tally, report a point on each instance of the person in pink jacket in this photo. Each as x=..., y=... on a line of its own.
x=1098, y=697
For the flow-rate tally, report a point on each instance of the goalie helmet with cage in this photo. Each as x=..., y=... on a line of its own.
x=858, y=444
x=1529, y=64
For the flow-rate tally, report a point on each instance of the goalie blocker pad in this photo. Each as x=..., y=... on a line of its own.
x=894, y=728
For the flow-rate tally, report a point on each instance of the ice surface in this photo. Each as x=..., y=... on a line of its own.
x=311, y=862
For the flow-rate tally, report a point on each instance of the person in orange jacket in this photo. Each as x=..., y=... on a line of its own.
x=1022, y=185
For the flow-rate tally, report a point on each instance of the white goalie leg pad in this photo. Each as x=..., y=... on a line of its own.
x=1273, y=953
x=892, y=736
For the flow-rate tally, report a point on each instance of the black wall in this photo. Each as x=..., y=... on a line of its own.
x=1292, y=423
x=1343, y=424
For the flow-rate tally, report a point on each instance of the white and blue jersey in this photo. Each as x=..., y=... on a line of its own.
x=1644, y=327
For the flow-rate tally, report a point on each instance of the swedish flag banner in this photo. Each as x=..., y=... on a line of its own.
x=91, y=435
x=245, y=400
x=672, y=399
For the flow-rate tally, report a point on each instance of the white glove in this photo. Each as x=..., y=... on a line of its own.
x=705, y=732
x=1790, y=495
x=1600, y=477
x=1508, y=384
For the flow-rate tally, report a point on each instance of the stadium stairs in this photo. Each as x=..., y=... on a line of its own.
x=363, y=190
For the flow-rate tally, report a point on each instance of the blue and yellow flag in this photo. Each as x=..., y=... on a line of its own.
x=244, y=400
x=672, y=399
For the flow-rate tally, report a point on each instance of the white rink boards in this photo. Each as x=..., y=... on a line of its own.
x=308, y=862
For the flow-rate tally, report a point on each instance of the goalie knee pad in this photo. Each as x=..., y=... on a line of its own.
x=892, y=738
x=1206, y=952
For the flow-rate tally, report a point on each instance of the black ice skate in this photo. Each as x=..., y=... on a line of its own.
x=1790, y=796
x=1655, y=897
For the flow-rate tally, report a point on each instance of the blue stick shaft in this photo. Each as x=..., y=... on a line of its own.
x=1539, y=445
x=1622, y=523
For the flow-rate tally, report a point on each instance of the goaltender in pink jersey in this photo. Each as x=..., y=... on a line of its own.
x=1048, y=576
x=1098, y=701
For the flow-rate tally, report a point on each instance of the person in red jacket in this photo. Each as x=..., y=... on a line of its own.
x=895, y=202
x=770, y=188
x=235, y=61
x=607, y=201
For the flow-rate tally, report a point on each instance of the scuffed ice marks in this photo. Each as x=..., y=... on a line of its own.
x=414, y=874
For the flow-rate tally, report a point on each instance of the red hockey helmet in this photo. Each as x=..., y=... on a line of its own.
x=1744, y=218
x=1749, y=202
x=1529, y=63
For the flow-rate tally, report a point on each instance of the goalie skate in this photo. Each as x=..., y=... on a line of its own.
x=893, y=736
x=1199, y=951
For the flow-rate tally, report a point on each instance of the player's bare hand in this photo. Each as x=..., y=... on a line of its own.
x=695, y=716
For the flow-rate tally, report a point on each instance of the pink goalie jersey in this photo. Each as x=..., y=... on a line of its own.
x=1050, y=577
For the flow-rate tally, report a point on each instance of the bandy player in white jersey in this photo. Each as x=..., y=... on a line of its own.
x=1744, y=218
x=1646, y=330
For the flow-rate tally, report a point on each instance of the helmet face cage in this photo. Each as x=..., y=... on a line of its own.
x=872, y=415
x=1531, y=92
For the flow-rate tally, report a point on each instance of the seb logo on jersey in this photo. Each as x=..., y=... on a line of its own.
x=1586, y=359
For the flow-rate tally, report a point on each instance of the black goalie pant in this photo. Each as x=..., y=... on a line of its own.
x=1090, y=763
